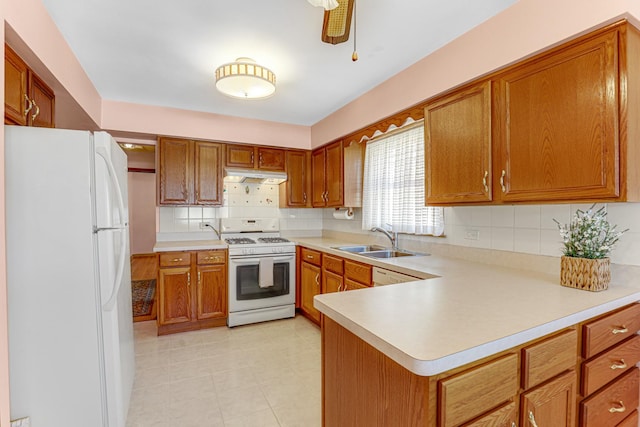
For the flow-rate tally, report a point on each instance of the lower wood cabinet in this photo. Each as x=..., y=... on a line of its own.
x=323, y=273
x=192, y=290
x=535, y=384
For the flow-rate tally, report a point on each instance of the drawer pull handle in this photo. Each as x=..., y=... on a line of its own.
x=310, y=256
x=176, y=260
x=620, y=408
x=532, y=419
x=513, y=424
x=620, y=365
x=622, y=330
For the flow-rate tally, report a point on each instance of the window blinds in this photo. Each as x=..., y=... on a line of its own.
x=393, y=188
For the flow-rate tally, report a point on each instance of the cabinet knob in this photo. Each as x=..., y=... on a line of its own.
x=504, y=189
x=620, y=408
x=532, y=419
x=484, y=181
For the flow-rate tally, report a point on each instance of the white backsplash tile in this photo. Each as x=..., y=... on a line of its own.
x=502, y=238
x=561, y=213
x=527, y=216
x=502, y=216
x=527, y=240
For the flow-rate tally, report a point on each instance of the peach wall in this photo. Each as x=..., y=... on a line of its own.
x=142, y=212
x=521, y=30
x=147, y=119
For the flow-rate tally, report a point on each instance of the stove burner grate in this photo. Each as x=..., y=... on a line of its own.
x=240, y=241
x=273, y=240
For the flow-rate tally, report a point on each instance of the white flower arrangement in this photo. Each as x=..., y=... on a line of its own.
x=589, y=235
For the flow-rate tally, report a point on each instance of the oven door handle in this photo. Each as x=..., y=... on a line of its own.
x=249, y=261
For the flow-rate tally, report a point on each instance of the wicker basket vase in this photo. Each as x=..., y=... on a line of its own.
x=583, y=273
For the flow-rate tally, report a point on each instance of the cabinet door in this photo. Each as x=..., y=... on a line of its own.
x=457, y=150
x=240, y=156
x=42, y=112
x=174, y=295
x=296, y=188
x=175, y=179
x=15, y=88
x=310, y=277
x=271, y=159
x=552, y=404
x=211, y=293
x=318, y=177
x=331, y=282
x=557, y=123
x=350, y=285
x=208, y=173
x=334, y=174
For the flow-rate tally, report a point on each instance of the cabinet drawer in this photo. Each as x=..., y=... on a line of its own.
x=311, y=256
x=332, y=263
x=173, y=259
x=610, y=330
x=358, y=272
x=612, y=404
x=505, y=416
x=630, y=421
x=475, y=391
x=549, y=358
x=211, y=257
x=606, y=367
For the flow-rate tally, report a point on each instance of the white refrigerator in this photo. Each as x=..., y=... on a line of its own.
x=71, y=354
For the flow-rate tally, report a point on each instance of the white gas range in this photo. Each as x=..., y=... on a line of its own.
x=262, y=270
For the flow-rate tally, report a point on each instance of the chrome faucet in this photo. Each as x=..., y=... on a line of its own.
x=213, y=228
x=391, y=235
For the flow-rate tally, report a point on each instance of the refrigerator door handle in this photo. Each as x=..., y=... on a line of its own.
x=111, y=302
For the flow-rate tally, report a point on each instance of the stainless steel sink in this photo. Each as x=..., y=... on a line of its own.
x=361, y=248
x=376, y=251
x=388, y=254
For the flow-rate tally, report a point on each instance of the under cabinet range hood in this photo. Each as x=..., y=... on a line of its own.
x=251, y=176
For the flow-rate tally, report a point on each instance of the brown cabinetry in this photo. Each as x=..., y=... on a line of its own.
x=295, y=192
x=192, y=290
x=556, y=127
x=609, y=380
x=28, y=100
x=309, y=288
x=255, y=157
x=550, y=404
x=458, y=146
x=337, y=175
x=190, y=172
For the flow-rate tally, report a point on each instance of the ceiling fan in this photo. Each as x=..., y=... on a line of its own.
x=337, y=19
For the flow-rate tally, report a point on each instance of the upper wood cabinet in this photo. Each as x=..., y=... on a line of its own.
x=28, y=100
x=458, y=146
x=557, y=124
x=337, y=175
x=190, y=172
x=295, y=192
x=255, y=157
x=558, y=127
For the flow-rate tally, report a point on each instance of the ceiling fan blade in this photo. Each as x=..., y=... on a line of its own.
x=337, y=23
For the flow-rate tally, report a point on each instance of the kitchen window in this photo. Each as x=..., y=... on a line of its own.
x=393, y=187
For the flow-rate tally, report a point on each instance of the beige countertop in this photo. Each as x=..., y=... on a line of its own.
x=472, y=310
x=188, y=245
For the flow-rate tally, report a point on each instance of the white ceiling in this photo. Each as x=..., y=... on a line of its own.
x=164, y=53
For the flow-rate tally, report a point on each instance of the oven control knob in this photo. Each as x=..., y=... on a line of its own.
x=248, y=251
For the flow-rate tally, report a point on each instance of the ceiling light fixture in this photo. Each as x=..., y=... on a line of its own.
x=245, y=79
x=327, y=4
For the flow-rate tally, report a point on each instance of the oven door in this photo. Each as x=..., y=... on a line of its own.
x=245, y=292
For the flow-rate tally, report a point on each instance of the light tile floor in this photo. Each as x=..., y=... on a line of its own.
x=266, y=374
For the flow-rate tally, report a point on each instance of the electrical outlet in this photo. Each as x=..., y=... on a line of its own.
x=472, y=235
x=21, y=422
